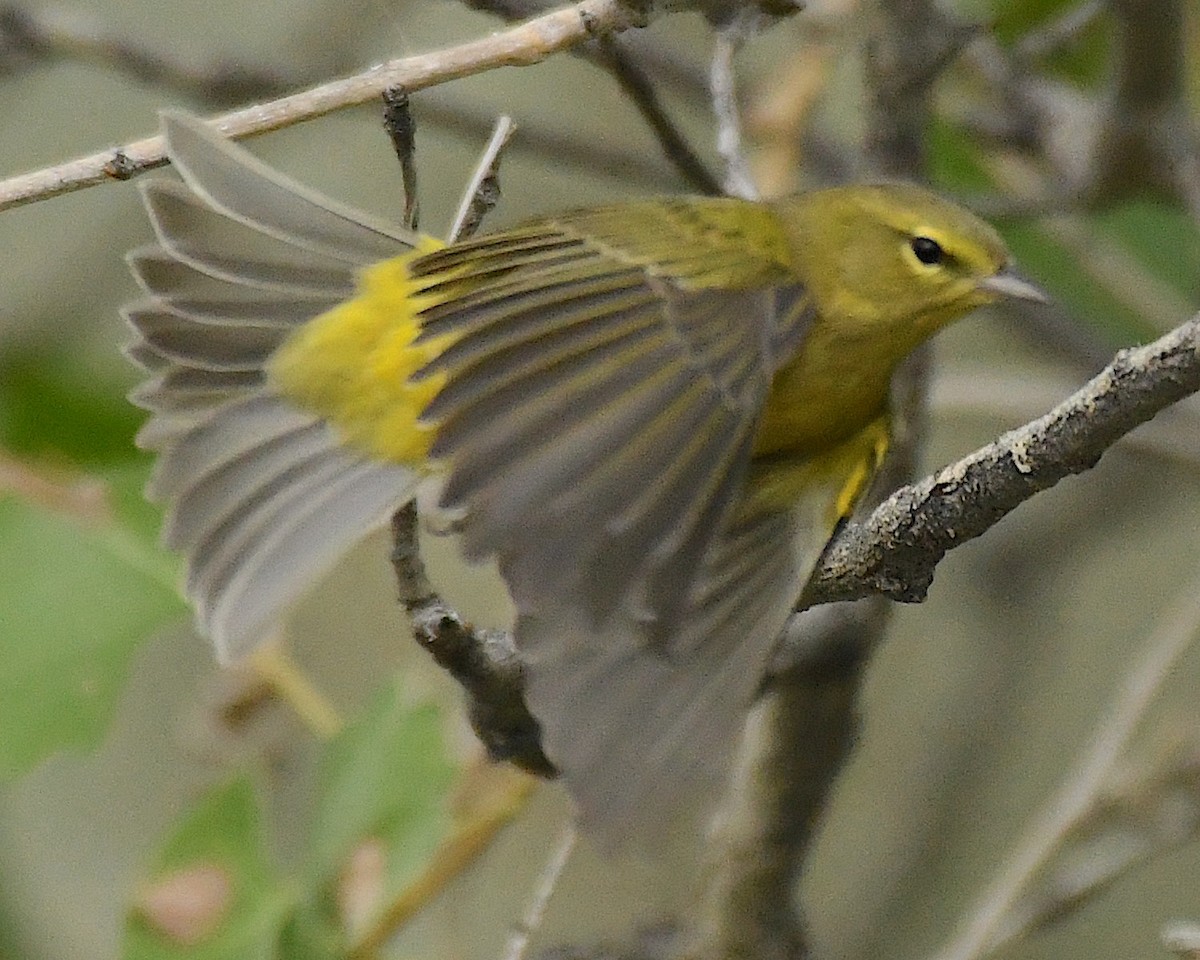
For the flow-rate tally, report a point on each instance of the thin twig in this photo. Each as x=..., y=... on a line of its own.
x=402, y=131
x=1126, y=828
x=629, y=69
x=535, y=911
x=637, y=85
x=483, y=662
x=523, y=45
x=1177, y=629
x=274, y=667
x=1172, y=437
x=483, y=189
x=1062, y=30
x=30, y=36
x=454, y=855
x=739, y=182
x=1183, y=939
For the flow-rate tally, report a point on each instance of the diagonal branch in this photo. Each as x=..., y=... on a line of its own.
x=522, y=45
x=895, y=550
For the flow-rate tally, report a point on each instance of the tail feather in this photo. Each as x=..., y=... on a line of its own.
x=144, y=356
x=304, y=546
x=214, y=496
x=231, y=430
x=216, y=557
x=234, y=183
x=215, y=346
x=178, y=389
x=210, y=242
x=207, y=299
x=262, y=497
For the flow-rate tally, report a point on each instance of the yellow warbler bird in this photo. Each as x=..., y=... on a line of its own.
x=652, y=414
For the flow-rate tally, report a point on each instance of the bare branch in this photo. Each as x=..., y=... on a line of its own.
x=523, y=45
x=28, y=37
x=895, y=550
x=484, y=662
x=1183, y=939
x=483, y=189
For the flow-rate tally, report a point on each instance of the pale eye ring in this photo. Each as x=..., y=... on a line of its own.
x=927, y=250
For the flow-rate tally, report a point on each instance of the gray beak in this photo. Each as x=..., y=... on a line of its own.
x=1008, y=284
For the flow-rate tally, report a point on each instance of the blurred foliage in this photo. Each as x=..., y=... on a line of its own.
x=83, y=583
x=1084, y=61
x=52, y=407
x=379, y=816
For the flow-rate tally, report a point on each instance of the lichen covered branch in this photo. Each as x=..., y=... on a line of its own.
x=895, y=550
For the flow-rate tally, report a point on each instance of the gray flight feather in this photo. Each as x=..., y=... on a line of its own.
x=597, y=423
x=234, y=183
x=261, y=497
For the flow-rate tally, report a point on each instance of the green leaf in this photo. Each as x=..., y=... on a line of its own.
x=383, y=789
x=1161, y=238
x=212, y=894
x=53, y=404
x=1060, y=272
x=1083, y=60
x=80, y=589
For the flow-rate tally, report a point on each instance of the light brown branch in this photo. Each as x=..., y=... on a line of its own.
x=523, y=45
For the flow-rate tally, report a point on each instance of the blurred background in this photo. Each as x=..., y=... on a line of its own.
x=115, y=723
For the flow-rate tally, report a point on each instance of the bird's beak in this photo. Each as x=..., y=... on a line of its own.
x=1005, y=283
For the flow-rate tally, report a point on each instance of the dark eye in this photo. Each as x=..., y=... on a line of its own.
x=927, y=250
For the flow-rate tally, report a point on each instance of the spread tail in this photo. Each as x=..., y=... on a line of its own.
x=262, y=497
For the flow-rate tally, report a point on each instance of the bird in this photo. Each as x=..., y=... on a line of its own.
x=651, y=414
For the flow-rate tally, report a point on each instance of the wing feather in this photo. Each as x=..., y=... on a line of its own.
x=597, y=423
x=560, y=289
x=635, y=727
x=179, y=336
x=208, y=241
x=477, y=381
x=233, y=182
x=212, y=300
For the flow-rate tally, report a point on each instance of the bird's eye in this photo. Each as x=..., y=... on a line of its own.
x=927, y=250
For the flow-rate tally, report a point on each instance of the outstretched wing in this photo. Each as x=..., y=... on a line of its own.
x=599, y=409
x=597, y=423
x=636, y=727
x=262, y=497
